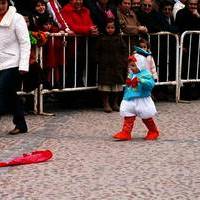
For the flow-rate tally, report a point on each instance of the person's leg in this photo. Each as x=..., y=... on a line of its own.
x=3, y=98
x=17, y=105
x=116, y=101
x=153, y=132
x=106, y=103
x=128, y=113
x=125, y=133
x=18, y=117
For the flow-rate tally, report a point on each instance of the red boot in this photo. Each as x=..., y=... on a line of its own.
x=125, y=134
x=153, y=132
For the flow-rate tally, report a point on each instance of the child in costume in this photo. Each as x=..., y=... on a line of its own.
x=144, y=57
x=137, y=101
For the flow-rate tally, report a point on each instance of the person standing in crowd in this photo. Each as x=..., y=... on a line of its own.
x=112, y=66
x=135, y=6
x=187, y=18
x=39, y=9
x=166, y=17
x=14, y=62
x=149, y=17
x=78, y=18
x=128, y=20
x=101, y=12
x=137, y=102
x=166, y=60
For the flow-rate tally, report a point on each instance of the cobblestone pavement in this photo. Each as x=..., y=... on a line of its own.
x=89, y=165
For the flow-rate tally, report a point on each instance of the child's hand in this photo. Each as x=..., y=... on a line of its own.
x=70, y=32
x=143, y=29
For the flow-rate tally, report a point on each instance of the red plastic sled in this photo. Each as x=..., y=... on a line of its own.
x=34, y=157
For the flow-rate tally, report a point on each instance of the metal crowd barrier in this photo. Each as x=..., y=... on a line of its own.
x=165, y=48
x=80, y=52
x=73, y=61
x=189, y=60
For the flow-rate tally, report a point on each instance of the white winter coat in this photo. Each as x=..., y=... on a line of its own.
x=14, y=41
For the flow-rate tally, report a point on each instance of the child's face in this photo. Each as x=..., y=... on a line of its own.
x=133, y=67
x=47, y=26
x=40, y=8
x=143, y=46
x=110, y=28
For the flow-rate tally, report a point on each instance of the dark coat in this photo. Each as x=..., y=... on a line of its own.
x=112, y=56
x=166, y=26
x=186, y=21
x=150, y=20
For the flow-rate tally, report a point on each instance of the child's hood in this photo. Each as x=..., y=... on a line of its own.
x=141, y=51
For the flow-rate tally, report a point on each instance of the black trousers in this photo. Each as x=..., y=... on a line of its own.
x=9, y=100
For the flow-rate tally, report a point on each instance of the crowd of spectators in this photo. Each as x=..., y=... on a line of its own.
x=89, y=18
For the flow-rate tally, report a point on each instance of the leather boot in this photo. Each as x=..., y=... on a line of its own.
x=125, y=133
x=106, y=105
x=116, y=102
x=153, y=132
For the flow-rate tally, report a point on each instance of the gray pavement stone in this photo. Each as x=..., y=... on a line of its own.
x=89, y=165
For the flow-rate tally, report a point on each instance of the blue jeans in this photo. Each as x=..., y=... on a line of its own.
x=9, y=100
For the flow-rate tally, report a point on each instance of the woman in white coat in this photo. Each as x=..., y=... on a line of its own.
x=14, y=61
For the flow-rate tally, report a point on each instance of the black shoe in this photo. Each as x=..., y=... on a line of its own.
x=16, y=131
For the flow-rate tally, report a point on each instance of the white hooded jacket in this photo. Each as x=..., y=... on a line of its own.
x=14, y=41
